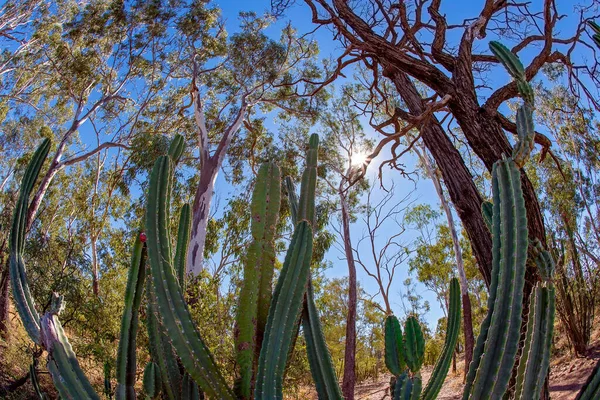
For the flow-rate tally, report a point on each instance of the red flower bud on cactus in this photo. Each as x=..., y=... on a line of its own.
x=143, y=237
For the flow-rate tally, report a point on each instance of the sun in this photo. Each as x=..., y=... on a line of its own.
x=359, y=158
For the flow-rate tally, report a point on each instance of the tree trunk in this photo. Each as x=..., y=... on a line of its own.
x=95, y=287
x=456, y=176
x=200, y=215
x=460, y=266
x=349, y=380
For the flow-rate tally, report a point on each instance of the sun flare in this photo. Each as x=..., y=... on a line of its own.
x=359, y=158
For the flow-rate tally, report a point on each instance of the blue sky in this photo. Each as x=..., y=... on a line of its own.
x=300, y=17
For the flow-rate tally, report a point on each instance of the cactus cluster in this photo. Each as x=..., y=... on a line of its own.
x=404, y=353
x=267, y=323
x=181, y=365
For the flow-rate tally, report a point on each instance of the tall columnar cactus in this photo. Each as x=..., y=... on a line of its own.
x=319, y=358
x=176, y=317
x=152, y=381
x=434, y=385
x=404, y=353
x=255, y=295
x=126, y=354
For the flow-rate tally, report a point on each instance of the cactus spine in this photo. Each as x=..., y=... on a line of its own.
x=255, y=294
x=126, y=365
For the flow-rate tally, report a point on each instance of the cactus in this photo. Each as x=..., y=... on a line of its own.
x=34, y=381
x=255, y=294
x=126, y=360
x=190, y=347
x=285, y=307
x=151, y=380
x=189, y=389
x=18, y=276
x=319, y=358
x=108, y=391
x=404, y=353
x=183, y=240
x=487, y=210
x=452, y=331
x=414, y=344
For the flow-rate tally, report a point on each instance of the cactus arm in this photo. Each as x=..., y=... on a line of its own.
x=394, y=346
x=591, y=388
x=266, y=235
x=510, y=61
x=186, y=340
x=183, y=240
x=151, y=380
x=126, y=354
x=255, y=294
x=67, y=375
x=319, y=358
x=285, y=307
x=414, y=344
x=189, y=389
x=107, y=383
x=440, y=370
x=510, y=254
x=487, y=211
x=161, y=349
x=535, y=359
x=176, y=148
x=308, y=185
x=417, y=387
x=18, y=276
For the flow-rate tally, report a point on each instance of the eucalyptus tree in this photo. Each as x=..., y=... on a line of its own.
x=248, y=74
x=403, y=43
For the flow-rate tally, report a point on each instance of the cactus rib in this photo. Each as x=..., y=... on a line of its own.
x=194, y=354
x=126, y=354
x=440, y=370
x=285, y=307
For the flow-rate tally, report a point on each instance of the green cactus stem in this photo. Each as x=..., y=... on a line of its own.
x=394, y=346
x=308, y=185
x=487, y=211
x=151, y=380
x=108, y=392
x=189, y=389
x=285, y=307
x=442, y=365
x=414, y=344
x=183, y=240
x=161, y=349
x=18, y=276
x=535, y=358
x=255, y=295
x=126, y=354
x=497, y=344
x=175, y=315
x=319, y=357
x=34, y=381
x=176, y=148
x=64, y=368
x=510, y=61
